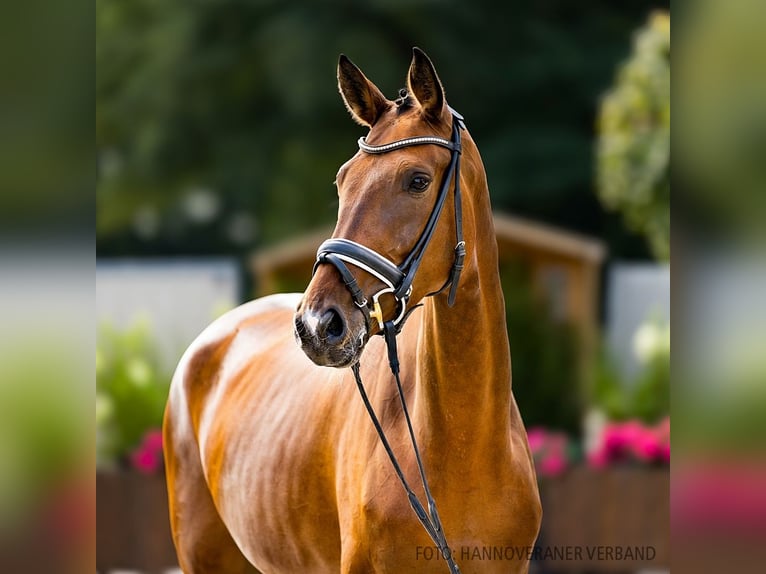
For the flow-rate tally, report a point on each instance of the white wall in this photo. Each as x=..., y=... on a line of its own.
x=179, y=297
x=636, y=292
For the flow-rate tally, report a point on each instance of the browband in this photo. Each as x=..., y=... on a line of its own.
x=420, y=140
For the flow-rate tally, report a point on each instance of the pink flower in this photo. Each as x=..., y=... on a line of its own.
x=646, y=446
x=663, y=428
x=549, y=450
x=632, y=440
x=616, y=440
x=720, y=496
x=665, y=453
x=536, y=439
x=147, y=458
x=553, y=464
x=153, y=440
x=145, y=461
x=598, y=458
x=663, y=434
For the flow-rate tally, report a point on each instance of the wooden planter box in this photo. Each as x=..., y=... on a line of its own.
x=618, y=518
x=133, y=524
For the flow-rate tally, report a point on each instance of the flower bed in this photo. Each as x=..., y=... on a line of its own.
x=608, y=509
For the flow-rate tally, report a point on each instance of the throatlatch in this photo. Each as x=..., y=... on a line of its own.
x=398, y=280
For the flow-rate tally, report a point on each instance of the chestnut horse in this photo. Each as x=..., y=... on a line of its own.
x=272, y=463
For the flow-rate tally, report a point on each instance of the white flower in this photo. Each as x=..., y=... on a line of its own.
x=651, y=340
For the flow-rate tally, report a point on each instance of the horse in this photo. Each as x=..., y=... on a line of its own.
x=272, y=463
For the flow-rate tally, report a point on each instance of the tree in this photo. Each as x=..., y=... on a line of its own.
x=219, y=126
x=633, y=154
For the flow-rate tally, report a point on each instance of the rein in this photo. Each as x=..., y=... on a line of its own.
x=398, y=280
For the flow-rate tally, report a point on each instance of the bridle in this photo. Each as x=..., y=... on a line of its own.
x=398, y=280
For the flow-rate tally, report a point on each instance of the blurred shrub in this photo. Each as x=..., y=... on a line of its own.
x=47, y=487
x=646, y=398
x=131, y=390
x=726, y=419
x=42, y=427
x=720, y=129
x=633, y=154
x=546, y=373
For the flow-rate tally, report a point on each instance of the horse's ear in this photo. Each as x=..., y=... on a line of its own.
x=424, y=84
x=363, y=99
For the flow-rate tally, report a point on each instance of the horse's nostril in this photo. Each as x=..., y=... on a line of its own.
x=335, y=328
x=332, y=324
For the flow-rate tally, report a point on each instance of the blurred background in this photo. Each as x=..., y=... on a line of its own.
x=212, y=165
x=219, y=130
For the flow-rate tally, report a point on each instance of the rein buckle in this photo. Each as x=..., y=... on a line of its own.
x=377, y=312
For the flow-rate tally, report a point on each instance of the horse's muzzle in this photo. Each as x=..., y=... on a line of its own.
x=328, y=337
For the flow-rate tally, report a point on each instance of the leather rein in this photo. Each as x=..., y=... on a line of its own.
x=398, y=280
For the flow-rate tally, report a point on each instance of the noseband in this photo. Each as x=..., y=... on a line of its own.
x=398, y=280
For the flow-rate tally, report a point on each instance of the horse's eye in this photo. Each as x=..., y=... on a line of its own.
x=419, y=183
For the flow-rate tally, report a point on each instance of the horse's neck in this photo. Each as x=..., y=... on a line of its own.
x=464, y=378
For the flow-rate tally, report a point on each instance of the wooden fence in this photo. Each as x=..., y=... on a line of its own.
x=609, y=521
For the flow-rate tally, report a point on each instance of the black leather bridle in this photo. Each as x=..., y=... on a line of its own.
x=398, y=280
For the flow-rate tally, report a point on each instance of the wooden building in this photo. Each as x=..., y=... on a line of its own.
x=563, y=266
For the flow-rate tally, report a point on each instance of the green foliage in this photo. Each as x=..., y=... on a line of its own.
x=131, y=389
x=647, y=397
x=634, y=137
x=720, y=126
x=546, y=381
x=724, y=423
x=238, y=99
x=651, y=397
x=42, y=423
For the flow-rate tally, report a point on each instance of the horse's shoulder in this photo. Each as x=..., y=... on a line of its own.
x=206, y=358
x=219, y=334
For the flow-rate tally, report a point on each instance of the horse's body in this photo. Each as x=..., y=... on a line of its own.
x=272, y=460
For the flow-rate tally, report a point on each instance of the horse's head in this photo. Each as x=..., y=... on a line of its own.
x=386, y=200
